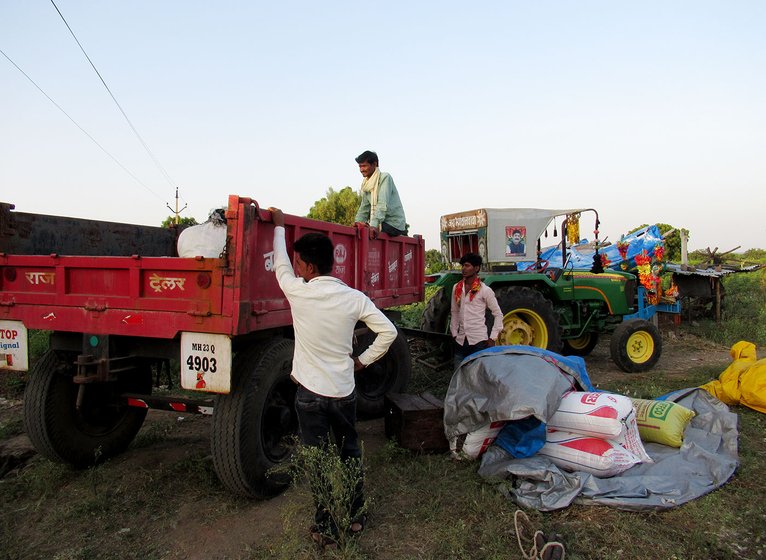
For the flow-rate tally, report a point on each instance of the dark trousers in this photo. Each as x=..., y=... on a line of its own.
x=465, y=349
x=323, y=420
x=391, y=231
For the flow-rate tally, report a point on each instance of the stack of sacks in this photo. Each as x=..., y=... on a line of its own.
x=594, y=433
x=474, y=444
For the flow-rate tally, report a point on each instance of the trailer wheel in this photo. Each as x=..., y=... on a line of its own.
x=436, y=314
x=636, y=346
x=254, y=424
x=102, y=427
x=528, y=319
x=580, y=346
x=391, y=373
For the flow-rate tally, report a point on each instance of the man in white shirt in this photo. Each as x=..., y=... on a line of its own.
x=325, y=312
x=470, y=300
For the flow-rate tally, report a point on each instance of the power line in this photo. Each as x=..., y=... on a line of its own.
x=114, y=159
x=133, y=128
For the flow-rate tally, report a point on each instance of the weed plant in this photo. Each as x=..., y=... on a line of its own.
x=413, y=313
x=10, y=428
x=334, y=483
x=39, y=341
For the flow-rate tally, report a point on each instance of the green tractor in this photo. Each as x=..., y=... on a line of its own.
x=546, y=304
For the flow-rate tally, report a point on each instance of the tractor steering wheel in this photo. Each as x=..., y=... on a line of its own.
x=539, y=266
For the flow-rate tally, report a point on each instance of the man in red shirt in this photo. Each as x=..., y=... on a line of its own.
x=470, y=300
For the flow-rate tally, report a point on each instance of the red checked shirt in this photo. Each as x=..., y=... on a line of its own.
x=468, y=315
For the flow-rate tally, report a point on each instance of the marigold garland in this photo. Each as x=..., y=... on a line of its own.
x=622, y=247
x=672, y=291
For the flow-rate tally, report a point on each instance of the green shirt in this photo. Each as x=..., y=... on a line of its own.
x=389, y=208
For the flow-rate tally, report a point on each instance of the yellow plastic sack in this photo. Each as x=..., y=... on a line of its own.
x=661, y=421
x=744, y=381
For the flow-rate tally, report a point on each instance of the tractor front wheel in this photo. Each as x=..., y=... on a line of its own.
x=636, y=346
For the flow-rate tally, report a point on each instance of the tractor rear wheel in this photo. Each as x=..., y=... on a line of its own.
x=580, y=346
x=636, y=345
x=437, y=312
x=528, y=319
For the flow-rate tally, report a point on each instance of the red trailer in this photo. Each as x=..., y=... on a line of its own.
x=118, y=303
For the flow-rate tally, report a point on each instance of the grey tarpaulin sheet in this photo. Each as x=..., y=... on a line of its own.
x=509, y=383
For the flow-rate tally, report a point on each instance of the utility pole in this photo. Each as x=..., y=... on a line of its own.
x=177, y=212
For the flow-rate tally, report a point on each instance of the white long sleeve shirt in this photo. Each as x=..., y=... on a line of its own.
x=325, y=312
x=468, y=316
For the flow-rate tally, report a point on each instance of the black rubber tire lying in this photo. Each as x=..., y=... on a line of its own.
x=389, y=374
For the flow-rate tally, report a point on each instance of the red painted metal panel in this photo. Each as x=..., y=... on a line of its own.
x=237, y=294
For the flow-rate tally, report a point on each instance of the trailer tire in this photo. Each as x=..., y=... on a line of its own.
x=581, y=346
x=436, y=314
x=391, y=373
x=528, y=318
x=636, y=345
x=102, y=428
x=253, y=425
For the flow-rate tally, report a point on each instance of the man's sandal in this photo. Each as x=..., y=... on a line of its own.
x=321, y=540
x=357, y=525
x=530, y=540
x=552, y=550
x=533, y=543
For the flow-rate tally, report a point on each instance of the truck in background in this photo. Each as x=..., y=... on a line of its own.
x=118, y=302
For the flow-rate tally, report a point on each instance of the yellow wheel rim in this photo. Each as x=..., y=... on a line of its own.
x=579, y=343
x=640, y=347
x=523, y=326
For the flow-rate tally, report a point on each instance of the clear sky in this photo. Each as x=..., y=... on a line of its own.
x=651, y=112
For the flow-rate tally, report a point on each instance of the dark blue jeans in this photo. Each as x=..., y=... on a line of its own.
x=323, y=420
x=465, y=349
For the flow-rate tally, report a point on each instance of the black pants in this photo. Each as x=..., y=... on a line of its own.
x=323, y=420
x=391, y=231
x=465, y=349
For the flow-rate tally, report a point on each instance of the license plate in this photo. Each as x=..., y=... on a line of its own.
x=13, y=346
x=206, y=362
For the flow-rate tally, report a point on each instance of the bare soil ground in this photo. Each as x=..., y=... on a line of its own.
x=202, y=520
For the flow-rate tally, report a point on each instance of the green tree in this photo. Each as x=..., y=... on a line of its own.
x=167, y=222
x=672, y=241
x=755, y=255
x=434, y=262
x=698, y=256
x=338, y=207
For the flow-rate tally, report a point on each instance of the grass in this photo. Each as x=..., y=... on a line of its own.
x=162, y=499
x=421, y=506
x=744, y=311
